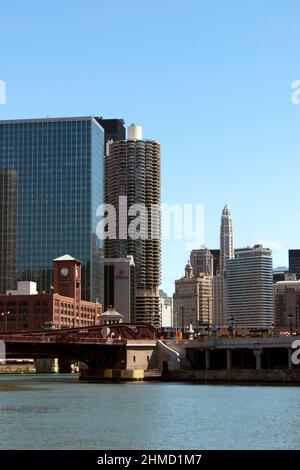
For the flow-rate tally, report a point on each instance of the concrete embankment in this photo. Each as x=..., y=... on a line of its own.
x=259, y=377
x=119, y=375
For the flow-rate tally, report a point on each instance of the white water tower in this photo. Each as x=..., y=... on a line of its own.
x=134, y=132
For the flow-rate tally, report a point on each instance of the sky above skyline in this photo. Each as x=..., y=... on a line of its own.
x=211, y=81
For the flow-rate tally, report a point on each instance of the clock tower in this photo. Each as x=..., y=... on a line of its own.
x=67, y=277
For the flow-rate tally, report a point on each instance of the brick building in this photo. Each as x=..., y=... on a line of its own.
x=27, y=309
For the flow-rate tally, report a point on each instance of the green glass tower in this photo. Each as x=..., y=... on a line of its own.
x=59, y=185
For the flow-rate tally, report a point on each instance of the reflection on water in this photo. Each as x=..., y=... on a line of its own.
x=58, y=412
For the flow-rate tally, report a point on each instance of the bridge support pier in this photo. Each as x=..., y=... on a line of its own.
x=207, y=359
x=229, y=359
x=46, y=366
x=290, y=353
x=258, y=354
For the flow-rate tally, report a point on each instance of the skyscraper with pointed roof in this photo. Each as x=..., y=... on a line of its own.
x=226, y=238
x=226, y=252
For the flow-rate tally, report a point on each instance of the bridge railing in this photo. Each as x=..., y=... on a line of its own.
x=57, y=339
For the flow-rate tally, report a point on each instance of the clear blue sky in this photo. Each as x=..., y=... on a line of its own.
x=211, y=81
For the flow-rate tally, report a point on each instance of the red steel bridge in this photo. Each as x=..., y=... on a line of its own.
x=96, y=346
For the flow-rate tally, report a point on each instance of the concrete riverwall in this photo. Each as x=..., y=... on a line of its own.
x=266, y=376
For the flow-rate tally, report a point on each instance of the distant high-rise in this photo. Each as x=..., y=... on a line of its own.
x=280, y=273
x=193, y=299
x=119, y=286
x=59, y=164
x=8, y=219
x=114, y=129
x=249, y=288
x=132, y=171
x=166, y=309
x=202, y=261
x=287, y=302
x=226, y=252
x=226, y=238
x=218, y=317
x=294, y=262
x=216, y=260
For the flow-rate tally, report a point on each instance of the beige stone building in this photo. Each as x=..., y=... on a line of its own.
x=193, y=300
x=287, y=302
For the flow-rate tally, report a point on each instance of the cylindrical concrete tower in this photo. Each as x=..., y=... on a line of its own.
x=132, y=171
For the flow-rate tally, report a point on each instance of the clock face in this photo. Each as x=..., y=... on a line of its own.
x=64, y=272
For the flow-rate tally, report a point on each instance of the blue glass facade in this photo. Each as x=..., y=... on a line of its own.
x=294, y=262
x=59, y=165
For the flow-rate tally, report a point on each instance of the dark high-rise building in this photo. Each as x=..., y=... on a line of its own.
x=59, y=165
x=202, y=261
x=216, y=260
x=294, y=262
x=8, y=211
x=114, y=129
x=280, y=273
x=132, y=171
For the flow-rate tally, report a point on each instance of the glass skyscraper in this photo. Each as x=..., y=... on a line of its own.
x=59, y=185
x=249, y=288
x=8, y=212
x=294, y=262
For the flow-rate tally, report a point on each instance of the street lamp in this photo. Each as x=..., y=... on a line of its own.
x=209, y=319
x=231, y=319
x=175, y=321
x=272, y=330
x=290, y=316
x=5, y=315
x=182, y=319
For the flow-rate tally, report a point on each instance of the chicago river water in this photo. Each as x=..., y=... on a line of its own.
x=59, y=412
